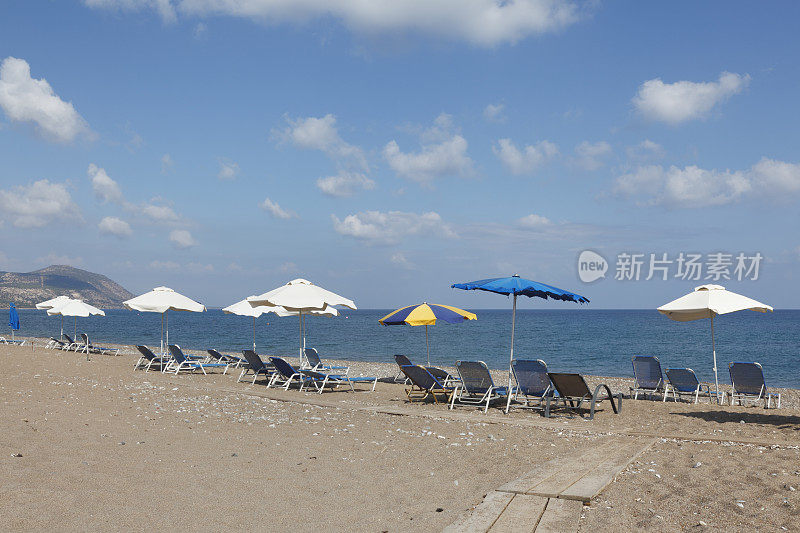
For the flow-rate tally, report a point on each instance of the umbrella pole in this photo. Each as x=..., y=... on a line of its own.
x=62, y=327
x=162, y=334
x=714, y=351
x=513, y=325
x=166, y=314
x=254, y=334
x=427, y=346
x=300, y=321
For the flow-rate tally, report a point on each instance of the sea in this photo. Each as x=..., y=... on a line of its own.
x=589, y=341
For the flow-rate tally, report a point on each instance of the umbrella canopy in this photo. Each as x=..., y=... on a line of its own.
x=517, y=286
x=52, y=302
x=707, y=301
x=162, y=300
x=426, y=314
x=302, y=297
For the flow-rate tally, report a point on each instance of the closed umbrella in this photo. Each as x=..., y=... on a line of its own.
x=517, y=286
x=707, y=301
x=426, y=314
x=53, y=302
x=162, y=300
x=13, y=319
x=302, y=297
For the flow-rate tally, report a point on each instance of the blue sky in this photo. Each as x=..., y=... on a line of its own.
x=386, y=150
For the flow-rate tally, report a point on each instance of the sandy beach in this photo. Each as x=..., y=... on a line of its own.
x=95, y=445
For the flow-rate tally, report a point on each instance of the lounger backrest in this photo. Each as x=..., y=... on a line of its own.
x=531, y=376
x=146, y=352
x=312, y=356
x=747, y=378
x=69, y=339
x=402, y=360
x=85, y=339
x=569, y=385
x=252, y=358
x=284, y=368
x=419, y=376
x=215, y=354
x=438, y=373
x=177, y=353
x=474, y=376
x=647, y=372
x=682, y=379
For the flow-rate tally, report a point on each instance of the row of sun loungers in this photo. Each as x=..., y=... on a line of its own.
x=474, y=386
x=747, y=383
x=82, y=346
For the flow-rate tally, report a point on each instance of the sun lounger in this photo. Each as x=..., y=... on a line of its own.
x=255, y=365
x=148, y=359
x=232, y=360
x=320, y=380
x=647, y=377
x=313, y=362
x=285, y=374
x=88, y=347
x=532, y=381
x=438, y=373
x=424, y=384
x=71, y=344
x=684, y=382
x=573, y=391
x=748, y=384
x=179, y=362
x=54, y=344
x=16, y=342
x=476, y=387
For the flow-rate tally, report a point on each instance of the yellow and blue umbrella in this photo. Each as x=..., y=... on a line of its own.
x=426, y=314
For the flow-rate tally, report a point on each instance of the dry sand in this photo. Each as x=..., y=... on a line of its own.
x=104, y=447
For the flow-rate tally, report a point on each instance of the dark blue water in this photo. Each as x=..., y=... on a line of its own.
x=597, y=342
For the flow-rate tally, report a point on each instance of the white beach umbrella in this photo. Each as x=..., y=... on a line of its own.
x=708, y=301
x=243, y=308
x=74, y=308
x=53, y=302
x=163, y=300
x=302, y=297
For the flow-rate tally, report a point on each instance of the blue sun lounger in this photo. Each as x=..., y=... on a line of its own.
x=532, y=381
x=320, y=380
x=257, y=366
x=747, y=380
x=233, y=360
x=424, y=384
x=647, y=377
x=179, y=362
x=313, y=362
x=285, y=374
x=684, y=382
x=476, y=387
x=148, y=359
x=573, y=391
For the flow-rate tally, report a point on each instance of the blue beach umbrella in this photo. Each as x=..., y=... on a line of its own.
x=13, y=319
x=426, y=314
x=518, y=286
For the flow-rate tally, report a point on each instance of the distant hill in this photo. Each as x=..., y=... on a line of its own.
x=29, y=288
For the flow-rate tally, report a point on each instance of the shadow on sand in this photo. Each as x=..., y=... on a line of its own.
x=731, y=417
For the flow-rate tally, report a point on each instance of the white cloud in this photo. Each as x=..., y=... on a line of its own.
x=158, y=212
x=591, y=156
x=696, y=187
x=115, y=226
x=276, y=210
x=165, y=8
x=494, y=112
x=105, y=188
x=443, y=153
x=376, y=227
x=524, y=161
x=678, y=102
x=200, y=30
x=25, y=99
x=181, y=238
x=60, y=259
x=682, y=187
x=228, y=170
x=400, y=259
x=344, y=184
x=534, y=221
x=321, y=134
x=166, y=163
x=199, y=267
x=479, y=22
x=164, y=265
x=645, y=150
x=38, y=204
